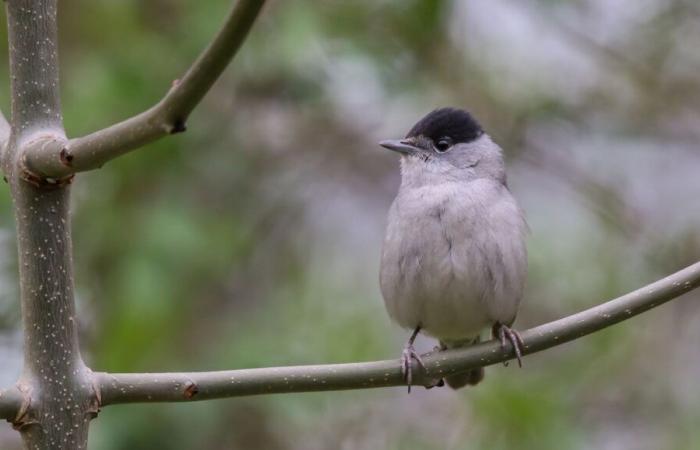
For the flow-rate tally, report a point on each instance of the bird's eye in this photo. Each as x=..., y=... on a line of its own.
x=443, y=145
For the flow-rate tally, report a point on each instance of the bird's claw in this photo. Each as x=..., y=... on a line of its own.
x=503, y=333
x=408, y=354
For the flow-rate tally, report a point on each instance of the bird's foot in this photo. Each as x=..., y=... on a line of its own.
x=436, y=382
x=503, y=332
x=409, y=353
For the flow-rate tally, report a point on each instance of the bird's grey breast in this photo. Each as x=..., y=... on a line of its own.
x=453, y=259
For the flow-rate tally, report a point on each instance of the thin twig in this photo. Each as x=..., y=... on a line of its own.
x=167, y=117
x=177, y=387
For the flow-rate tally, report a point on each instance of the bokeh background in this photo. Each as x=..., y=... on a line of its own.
x=254, y=238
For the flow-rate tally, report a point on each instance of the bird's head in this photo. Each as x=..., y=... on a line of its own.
x=449, y=143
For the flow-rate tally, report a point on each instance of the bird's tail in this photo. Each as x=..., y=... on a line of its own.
x=471, y=377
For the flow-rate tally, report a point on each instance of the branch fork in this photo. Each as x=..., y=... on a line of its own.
x=58, y=395
x=41, y=153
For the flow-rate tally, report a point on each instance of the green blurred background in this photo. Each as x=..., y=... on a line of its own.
x=254, y=238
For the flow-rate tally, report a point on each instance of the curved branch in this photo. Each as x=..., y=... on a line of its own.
x=176, y=387
x=167, y=117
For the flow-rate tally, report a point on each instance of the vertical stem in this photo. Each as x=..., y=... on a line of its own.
x=57, y=381
x=58, y=386
x=34, y=65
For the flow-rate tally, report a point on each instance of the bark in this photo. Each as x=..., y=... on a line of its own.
x=58, y=398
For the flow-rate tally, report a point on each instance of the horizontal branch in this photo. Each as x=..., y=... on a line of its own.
x=167, y=117
x=177, y=387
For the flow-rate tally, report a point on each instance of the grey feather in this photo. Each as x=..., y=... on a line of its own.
x=454, y=258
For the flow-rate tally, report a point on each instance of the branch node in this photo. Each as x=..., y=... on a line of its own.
x=23, y=418
x=96, y=400
x=65, y=157
x=44, y=182
x=191, y=389
x=178, y=126
x=47, y=153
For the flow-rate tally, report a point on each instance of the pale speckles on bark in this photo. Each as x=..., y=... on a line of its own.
x=59, y=398
x=33, y=64
x=62, y=400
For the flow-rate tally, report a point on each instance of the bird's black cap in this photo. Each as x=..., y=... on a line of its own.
x=455, y=123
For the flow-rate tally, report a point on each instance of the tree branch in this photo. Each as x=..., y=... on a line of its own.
x=177, y=387
x=167, y=117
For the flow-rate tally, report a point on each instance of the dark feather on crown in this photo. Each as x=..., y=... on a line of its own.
x=455, y=123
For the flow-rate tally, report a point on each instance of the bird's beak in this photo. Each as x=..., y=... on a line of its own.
x=404, y=147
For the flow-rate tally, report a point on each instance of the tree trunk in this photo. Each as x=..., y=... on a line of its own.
x=59, y=399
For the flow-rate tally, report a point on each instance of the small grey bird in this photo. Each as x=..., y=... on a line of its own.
x=454, y=259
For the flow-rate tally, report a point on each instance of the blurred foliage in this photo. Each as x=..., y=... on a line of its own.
x=253, y=239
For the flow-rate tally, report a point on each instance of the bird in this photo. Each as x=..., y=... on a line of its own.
x=454, y=257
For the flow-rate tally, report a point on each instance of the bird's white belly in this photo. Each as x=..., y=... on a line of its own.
x=452, y=267
x=446, y=300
